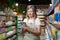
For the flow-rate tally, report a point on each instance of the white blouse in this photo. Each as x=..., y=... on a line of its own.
x=36, y=21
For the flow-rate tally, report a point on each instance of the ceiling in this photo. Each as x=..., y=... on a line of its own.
x=5, y=3
x=37, y=2
x=40, y=2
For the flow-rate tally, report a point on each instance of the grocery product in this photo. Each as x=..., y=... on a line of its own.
x=1, y=36
x=50, y=18
x=56, y=16
x=59, y=18
x=9, y=23
x=3, y=29
x=0, y=29
x=41, y=16
x=10, y=33
x=8, y=28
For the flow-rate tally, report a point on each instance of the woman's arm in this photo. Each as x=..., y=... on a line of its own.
x=36, y=32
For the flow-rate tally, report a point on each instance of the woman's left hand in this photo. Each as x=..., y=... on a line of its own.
x=25, y=27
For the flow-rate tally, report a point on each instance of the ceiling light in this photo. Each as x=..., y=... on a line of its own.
x=50, y=4
x=29, y=0
x=16, y=4
x=23, y=11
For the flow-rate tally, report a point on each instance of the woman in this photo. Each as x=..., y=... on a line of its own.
x=31, y=29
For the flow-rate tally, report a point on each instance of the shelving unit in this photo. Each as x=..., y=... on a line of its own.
x=9, y=31
x=41, y=16
x=19, y=19
x=52, y=12
x=52, y=22
x=51, y=9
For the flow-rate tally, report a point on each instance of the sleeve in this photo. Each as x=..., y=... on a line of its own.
x=25, y=20
x=38, y=22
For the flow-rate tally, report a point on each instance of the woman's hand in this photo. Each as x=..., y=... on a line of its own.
x=25, y=27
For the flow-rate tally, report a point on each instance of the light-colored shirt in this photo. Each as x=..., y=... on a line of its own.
x=35, y=21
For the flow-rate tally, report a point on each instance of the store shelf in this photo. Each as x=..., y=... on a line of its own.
x=56, y=25
x=6, y=15
x=14, y=37
x=42, y=20
x=10, y=36
x=8, y=30
x=41, y=17
x=2, y=15
x=8, y=25
x=11, y=29
x=42, y=25
x=41, y=14
x=11, y=25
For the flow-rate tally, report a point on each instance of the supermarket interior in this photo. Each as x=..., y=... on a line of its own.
x=13, y=13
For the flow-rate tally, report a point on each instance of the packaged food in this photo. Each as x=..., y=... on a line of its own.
x=1, y=36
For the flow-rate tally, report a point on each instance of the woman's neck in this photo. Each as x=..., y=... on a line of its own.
x=31, y=18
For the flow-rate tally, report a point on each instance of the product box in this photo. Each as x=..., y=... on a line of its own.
x=0, y=29
x=59, y=18
x=56, y=17
x=54, y=2
x=3, y=29
x=50, y=18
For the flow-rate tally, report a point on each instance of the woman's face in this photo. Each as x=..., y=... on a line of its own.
x=30, y=12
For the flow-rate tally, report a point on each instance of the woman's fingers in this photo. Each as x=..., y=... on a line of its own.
x=25, y=28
